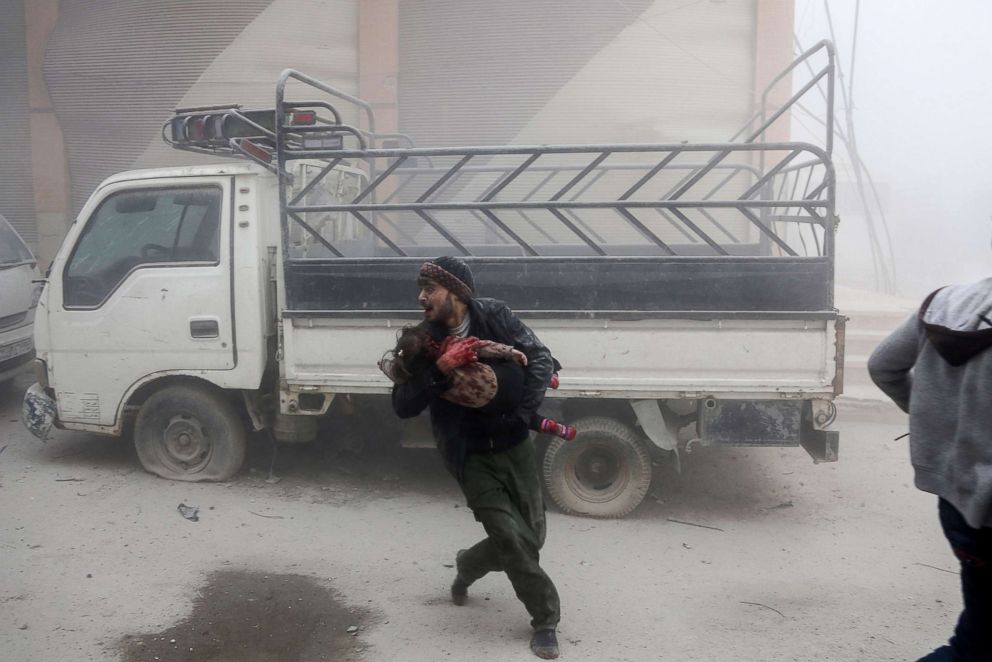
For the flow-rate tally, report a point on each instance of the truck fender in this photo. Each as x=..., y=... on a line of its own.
x=139, y=391
x=136, y=394
x=662, y=434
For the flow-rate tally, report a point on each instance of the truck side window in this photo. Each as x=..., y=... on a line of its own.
x=162, y=227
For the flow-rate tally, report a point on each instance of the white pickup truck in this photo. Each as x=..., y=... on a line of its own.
x=687, y=289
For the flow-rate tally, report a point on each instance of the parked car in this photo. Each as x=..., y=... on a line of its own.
x=20, y=288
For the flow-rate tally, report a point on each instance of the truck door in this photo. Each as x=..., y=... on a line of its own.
x=144, y=289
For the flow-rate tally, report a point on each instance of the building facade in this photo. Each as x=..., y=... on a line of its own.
x=87, y=84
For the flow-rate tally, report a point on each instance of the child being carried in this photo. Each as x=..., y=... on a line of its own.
x=491, y=379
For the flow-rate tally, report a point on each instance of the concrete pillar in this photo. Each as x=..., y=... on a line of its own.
x=773, y=52
x=378, y=79
x=378, y=60
x=49, y=162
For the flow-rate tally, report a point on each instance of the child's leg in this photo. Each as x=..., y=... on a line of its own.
x=509, y=387
x=549, y=426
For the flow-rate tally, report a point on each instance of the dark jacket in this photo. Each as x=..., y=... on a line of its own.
x=459, y=430
x=937, y=366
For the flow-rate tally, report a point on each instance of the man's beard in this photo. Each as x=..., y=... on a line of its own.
x=446, y=310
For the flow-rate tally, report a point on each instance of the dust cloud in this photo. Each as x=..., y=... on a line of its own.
x=923, y=129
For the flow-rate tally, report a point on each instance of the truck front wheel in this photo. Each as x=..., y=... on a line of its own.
x=189, y=432
x=604, y=472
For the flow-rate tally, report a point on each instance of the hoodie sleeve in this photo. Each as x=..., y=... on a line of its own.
x=892, y=361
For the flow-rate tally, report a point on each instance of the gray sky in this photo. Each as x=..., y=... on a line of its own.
x=923, y=116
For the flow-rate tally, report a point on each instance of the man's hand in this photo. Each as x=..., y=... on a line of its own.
x=456, y=352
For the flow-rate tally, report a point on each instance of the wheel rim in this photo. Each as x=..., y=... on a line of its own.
x=598, y=472
x=186, y=445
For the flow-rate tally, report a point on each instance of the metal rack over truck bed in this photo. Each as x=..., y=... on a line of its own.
x=725, y=228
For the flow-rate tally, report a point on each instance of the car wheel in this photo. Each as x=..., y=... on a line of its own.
x=604, y=472
x=190, y=432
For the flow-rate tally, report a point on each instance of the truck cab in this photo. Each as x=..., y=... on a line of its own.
x=158, y=282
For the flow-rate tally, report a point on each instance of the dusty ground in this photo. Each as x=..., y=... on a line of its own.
x=750, y=555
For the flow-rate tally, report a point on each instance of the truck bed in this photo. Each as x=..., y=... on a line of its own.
x=758, y=356
x=646, y=327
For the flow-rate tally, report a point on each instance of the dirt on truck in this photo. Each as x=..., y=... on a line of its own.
x=687, y=289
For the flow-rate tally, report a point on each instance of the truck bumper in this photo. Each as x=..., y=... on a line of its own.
x=38, y=411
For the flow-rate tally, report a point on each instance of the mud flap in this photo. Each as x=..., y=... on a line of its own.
x=38, y=411
x=822, y=445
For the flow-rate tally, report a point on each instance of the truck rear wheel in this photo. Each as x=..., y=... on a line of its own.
x=189, y=432
x=604, y=472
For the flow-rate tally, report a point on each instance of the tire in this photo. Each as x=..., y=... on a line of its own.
x=190, y=432
x=604, y=472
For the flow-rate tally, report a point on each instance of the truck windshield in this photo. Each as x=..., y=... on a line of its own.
x=12, y=249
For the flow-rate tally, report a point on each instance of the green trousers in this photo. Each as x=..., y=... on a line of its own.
x=504, y=492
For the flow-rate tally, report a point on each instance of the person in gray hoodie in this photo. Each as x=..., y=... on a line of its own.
x=937, y=367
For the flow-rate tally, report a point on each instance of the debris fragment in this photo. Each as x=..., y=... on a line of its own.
x=702, y=526
x=192, y=513
x=266, y=516
x=758, y=604
x=925, y=565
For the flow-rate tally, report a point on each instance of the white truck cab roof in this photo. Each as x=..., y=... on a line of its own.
x=211, y=170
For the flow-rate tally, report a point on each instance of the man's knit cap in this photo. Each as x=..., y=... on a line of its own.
x=452, y=273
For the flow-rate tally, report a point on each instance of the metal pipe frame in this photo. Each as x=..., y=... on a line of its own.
x=433, y=191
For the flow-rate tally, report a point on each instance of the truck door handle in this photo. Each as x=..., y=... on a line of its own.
x=204, y=328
